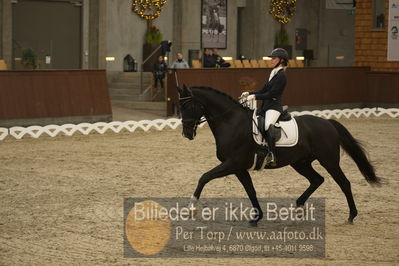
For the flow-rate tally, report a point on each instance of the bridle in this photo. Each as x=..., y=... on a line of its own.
x=196, y=122
x=191, y=121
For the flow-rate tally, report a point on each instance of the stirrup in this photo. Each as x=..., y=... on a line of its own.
x=270, y=159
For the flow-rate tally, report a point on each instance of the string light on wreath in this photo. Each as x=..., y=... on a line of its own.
x=282, y=10
x=148, y=9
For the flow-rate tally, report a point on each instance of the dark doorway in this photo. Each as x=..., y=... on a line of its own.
x=52, y=28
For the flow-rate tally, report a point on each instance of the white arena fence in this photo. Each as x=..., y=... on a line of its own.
x=173, y=123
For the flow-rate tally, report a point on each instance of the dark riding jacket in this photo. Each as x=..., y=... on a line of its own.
x=272, y=92
x=160, y=69
x=209, y=61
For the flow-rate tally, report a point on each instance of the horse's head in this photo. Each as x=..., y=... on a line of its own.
x=191, y=112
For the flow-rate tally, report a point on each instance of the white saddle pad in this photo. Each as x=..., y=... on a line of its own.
x=289, y=132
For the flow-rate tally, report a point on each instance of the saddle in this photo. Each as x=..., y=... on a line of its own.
x=285, y=133
x=275, y=130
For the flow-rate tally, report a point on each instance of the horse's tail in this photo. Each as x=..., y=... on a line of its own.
x=356, y=151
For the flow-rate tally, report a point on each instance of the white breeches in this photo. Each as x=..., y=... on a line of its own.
x=271, y=117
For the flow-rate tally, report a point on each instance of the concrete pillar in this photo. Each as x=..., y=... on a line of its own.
x=6, y=32
x=241, y=3
x=85, y=34
x=102, y=34
x=1, y=28
x=93, y=33
x=177, y=29
x=231, y=30
x=251, y=37
x=191, y=25
x=97, y=34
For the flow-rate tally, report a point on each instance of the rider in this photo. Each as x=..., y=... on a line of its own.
x=271, y=94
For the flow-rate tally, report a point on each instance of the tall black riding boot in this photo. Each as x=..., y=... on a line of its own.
x=262, y=149
x=270, y=158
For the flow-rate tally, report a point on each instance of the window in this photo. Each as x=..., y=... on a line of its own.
x=378, y=14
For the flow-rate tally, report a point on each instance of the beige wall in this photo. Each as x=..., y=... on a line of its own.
x=191, y=27
x=126, y=30
x=180, y=22
x=110, y=28
x=330, y=31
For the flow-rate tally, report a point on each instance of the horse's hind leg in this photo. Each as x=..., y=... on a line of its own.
x=246, y=181
x=306, y=169
x=345, y=185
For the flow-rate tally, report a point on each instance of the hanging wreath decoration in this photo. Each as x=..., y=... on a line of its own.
x=282, y=10
x=148, y=9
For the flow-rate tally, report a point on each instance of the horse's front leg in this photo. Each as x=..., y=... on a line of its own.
x=246, y=181
x=223, y=169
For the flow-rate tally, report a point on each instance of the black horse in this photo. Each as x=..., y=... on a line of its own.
x=231, y=124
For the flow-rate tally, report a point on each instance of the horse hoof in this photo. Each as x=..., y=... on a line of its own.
x=253, y=223
x=272, y=164
x=350, y=221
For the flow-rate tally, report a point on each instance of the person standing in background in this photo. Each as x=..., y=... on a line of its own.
x=179, y=62
x=159, y=71
x=208, y=59
x=218, y=59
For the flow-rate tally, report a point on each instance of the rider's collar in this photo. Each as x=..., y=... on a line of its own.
x=274, y=72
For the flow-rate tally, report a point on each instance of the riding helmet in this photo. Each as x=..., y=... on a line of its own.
x=280, y=53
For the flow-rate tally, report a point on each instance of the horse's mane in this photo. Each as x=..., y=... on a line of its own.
x=225, y=95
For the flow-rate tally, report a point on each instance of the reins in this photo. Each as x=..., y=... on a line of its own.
x=203, y=119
